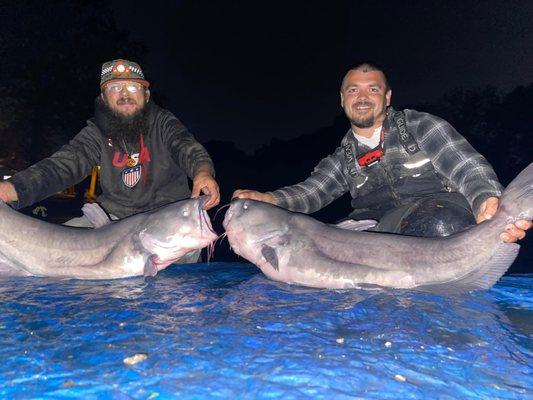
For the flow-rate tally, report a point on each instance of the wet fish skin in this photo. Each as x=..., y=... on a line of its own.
x=297, y=249
x=142, y=244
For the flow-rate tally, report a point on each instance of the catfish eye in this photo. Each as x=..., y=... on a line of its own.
x=245, y=206
x=185, y=213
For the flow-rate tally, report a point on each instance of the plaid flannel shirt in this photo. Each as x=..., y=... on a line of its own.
x=456, y=162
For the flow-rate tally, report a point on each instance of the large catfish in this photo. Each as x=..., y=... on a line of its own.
x=297, y=249
x=142, y=244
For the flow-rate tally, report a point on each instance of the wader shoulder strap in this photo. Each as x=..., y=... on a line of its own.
x=406, y=139
x=349, y=156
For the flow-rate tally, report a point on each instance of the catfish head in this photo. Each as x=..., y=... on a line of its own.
x=258, y=231
x=175, y=230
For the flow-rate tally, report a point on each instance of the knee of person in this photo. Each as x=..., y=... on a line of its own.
x=436, y=218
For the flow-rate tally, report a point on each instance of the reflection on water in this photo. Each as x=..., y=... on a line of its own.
x=224, y=330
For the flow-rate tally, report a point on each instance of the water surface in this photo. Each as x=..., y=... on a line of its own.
x=223, y=330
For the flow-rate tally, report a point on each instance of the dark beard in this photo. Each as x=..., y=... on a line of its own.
x=125, y=131
x=363, y=123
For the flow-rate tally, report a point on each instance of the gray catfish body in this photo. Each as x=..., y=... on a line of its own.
x=295, y=248
x=141, y=244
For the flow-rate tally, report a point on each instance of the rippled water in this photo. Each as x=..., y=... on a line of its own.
x=222, y=330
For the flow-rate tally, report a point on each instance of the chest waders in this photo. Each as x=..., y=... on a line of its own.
x=434, y=213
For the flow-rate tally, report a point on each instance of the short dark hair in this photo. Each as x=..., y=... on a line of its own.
x=367, y=67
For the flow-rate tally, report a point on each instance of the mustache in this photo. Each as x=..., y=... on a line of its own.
x=126, y=100
x=363, y=104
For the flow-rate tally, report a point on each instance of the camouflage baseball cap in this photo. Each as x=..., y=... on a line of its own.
x=122, y=69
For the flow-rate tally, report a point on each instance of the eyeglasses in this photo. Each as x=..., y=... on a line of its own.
x=131, y=87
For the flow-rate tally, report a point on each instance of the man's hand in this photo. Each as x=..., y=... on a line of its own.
x=487, y=209
x=254, y=195
x=513, y=232
x=204, y=182
x=8, y=192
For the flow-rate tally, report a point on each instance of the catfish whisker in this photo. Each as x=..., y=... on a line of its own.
x=210, y=251
x=221, y=208
x=221, y=237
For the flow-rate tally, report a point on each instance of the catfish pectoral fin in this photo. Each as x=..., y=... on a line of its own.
x=149, y=267
x=270, y=255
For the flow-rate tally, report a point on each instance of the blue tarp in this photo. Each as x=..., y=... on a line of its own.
x=223, y=330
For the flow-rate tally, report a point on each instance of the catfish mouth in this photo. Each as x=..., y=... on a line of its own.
x=233, y=231
x=232, y=213
x=203, y=216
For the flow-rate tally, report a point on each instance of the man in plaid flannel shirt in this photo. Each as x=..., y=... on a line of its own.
x=410, y=170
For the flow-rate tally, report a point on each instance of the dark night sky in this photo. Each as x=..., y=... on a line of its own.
x=247, y=71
